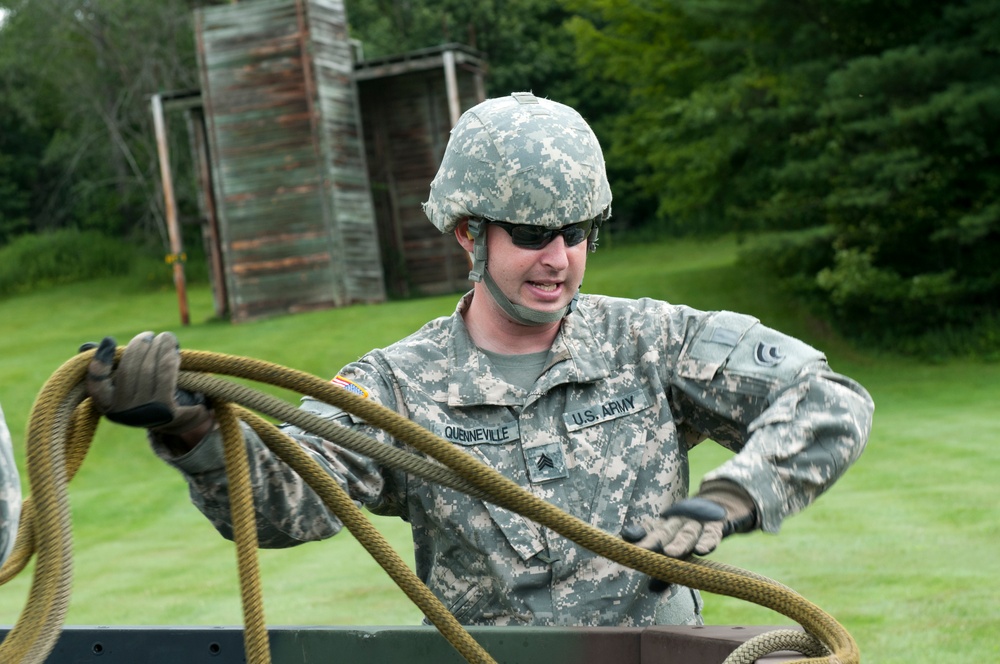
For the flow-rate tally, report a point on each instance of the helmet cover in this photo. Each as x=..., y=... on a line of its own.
x=523, y=160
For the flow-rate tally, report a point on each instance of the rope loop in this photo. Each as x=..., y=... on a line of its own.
x=63, y=423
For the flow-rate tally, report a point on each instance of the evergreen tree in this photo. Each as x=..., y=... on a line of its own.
x=871, y=125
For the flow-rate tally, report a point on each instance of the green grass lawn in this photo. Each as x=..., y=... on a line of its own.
x=901, y=551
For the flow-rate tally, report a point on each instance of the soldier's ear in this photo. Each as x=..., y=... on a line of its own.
x=463, y=235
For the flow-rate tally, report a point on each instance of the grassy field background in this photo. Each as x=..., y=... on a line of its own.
x=902, y=551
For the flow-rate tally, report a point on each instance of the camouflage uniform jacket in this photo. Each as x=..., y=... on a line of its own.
x=10, y=492
x=629, y=388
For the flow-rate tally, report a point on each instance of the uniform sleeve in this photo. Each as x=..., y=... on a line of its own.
x=10, y=492
x=794, y=424
x=289, y=512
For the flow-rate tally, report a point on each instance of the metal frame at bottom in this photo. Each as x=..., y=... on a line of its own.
x=709, y=644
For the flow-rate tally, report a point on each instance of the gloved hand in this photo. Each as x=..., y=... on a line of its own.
x=696, y=525
x=142, y=391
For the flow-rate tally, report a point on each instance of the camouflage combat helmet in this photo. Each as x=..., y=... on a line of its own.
x=522, y=160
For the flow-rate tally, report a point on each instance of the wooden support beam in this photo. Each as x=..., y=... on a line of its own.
x=176, y=255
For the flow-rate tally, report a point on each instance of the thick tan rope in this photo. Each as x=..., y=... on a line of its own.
x=289, y=451
x=53, y=525
x=351, y=516
x=37, y=629
x=244, y=518
x=754, y=648
x=703, y=575
x=81, y=433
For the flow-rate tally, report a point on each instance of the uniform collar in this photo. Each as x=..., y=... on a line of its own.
x=576, y=357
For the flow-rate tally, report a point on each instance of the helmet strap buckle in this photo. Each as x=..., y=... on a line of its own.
x=478, y=234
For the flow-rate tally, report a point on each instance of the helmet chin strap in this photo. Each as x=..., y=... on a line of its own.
x=521, y=314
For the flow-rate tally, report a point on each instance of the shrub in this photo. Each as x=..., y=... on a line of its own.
x=34, y=261
x=924, y=315
x=794, y=258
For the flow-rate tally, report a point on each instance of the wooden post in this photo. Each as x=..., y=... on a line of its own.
x=210, y=231
x=176, y=256
x=451, y=86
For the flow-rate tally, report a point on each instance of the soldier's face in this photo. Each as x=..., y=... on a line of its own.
x=544, y=279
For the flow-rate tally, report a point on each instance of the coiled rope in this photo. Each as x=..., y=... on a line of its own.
x=63, y=423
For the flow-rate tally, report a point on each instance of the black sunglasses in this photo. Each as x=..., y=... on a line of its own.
x=536, y=237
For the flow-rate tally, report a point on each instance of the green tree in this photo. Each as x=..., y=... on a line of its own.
x=88, y=96
x=523, y=40
x=527, y=46
x=910, y=142
x=22, y=175
x=29, y=116
x=873, y=122
x=76, y=76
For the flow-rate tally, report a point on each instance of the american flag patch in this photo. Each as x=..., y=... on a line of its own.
x=350, y=386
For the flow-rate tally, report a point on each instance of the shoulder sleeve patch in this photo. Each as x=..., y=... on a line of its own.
x=350, y=386
x=770, y=354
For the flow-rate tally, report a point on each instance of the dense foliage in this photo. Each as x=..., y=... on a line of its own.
x=76, y=138
x=38, y=260
x=523, y=39
x=872, y=125
x=861, y=136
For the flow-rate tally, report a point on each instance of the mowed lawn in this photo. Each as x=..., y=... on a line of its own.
x=902, y=551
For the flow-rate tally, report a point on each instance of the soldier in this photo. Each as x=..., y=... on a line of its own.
x=592, y=403
x=10, y=492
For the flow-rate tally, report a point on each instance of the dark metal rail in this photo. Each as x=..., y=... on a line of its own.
x=404, y=645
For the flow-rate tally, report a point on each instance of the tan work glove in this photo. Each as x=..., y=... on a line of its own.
x=696, y=525
x=142, y=391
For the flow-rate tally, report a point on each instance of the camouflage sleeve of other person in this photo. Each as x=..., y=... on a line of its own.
x=795, y=424
x=10, y=492
x=288, y=511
